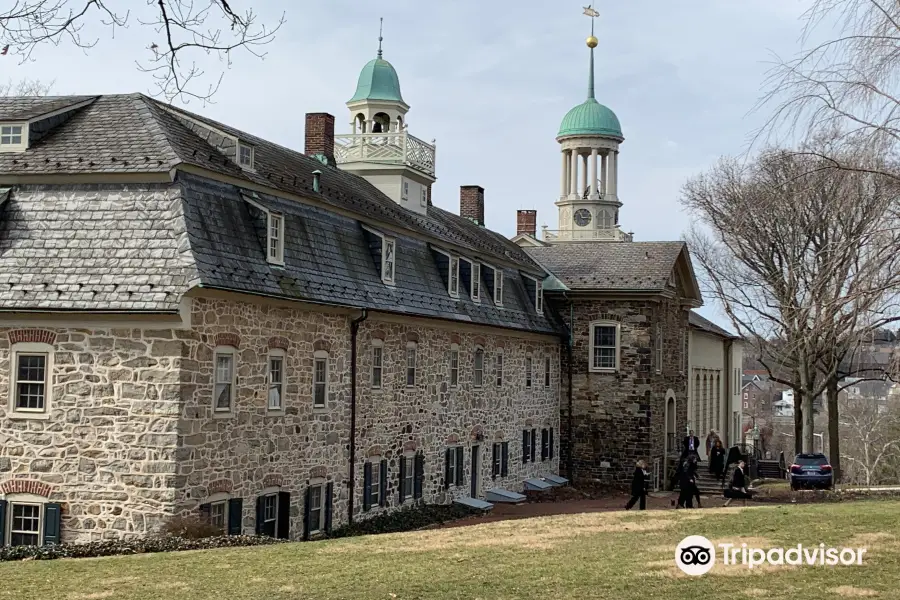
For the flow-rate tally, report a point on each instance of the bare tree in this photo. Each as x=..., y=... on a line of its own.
x=802, y=255
x=26, y=87
x=183, y=29
x=871, y=432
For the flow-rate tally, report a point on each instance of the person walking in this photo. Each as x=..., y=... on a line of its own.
x=693, y=465
x=717, y=460
x=640, y=482
x=686, y=486
x=690, y=445
x=711, y=438
x=738, y=486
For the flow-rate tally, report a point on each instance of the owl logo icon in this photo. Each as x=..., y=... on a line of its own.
x=695, y=555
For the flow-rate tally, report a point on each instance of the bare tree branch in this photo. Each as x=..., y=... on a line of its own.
x=183, y=28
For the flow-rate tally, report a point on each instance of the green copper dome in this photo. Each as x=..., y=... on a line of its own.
x=378, y=81
x=591, y=118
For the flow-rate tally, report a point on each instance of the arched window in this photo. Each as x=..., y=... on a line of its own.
x=479, y=367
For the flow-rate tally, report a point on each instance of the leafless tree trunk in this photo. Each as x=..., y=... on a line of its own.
x=834, y=441
x=872, y=435
x=179, y=31
x=802, y=253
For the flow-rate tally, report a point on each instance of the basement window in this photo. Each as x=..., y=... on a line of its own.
x=13, y=138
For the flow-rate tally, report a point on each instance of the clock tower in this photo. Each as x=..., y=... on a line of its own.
x=589, y=139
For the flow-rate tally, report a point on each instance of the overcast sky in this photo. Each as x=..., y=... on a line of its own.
x=491, y=82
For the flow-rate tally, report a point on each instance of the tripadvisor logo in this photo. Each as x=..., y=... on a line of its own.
x=696, y=555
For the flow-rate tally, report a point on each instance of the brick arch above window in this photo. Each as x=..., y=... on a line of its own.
x=374, y=451
x=452, y=439
x=608, y=317
x=411, y=336
x=322, y=346
x=410, y=446
x=318, y=472
x=228, y=339
x=25, y=486
x=32, y=336
x=529, y=422
x=219, y=486
x=377, y=334
x=479, y=341
x=499, y=435
x=477, y=432
x=273, y=480
x=278, y=342
x=454, y=338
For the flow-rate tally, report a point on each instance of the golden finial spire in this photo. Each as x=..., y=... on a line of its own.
x=592, y=41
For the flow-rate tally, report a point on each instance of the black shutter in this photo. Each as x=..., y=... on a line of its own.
x=205, y=510
x=52, y=514
x=551, y=443
x=306, y=503
x=283, y=528
x=545, y=444
x=400, y=492
x=2, y=523
x=504, y=458
x=419, y=475
x=460, y=457
x=235, y=516
x=533, y=444
x=447, y=473
x=367, y=486
x=329, y=498
x=525, y=451
x=495, y=456
x=260, y=514
x=382, y=472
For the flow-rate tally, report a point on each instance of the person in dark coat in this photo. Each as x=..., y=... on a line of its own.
x=717, y=460
x=690, y=444
x=639, y=484
x=693, y=465
x=686, y=486
x=738, y=486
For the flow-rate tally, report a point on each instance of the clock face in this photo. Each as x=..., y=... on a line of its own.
x=582, y=217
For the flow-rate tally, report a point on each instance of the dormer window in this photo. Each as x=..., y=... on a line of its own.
x=476, y=282
x=539, y=298
x=498, y=287
x=387, y=261
x=245, y=155
x=13, y=138
x=275, y=241
x=454, y=277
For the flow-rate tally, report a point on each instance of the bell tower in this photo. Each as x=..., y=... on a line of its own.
x=589, y=138
x=379, y=147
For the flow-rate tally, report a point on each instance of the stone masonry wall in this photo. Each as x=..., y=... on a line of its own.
x=619, y=418
x=106, y=449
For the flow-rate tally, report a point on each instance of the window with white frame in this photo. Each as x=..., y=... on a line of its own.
x=604, y=346
x=276, y=380
x=24, y=524
x=424, y=197
x=528, y=371
x=498, y=287
x=539, y=298
x=377, y=363
x=452, y=467
x=410, y=364
x=746, y=405
x=659, y=348
x=224, y=359
x=375, y=490
x=30, y=378
x=476, y=282
x=276, y=238
x=13, y=137
x=387, y=260
x=498, y=368
x=409, y=476
x=245, y=155
x=547, y=371
x=454, y=277
x=478, y=372
x=316, y=502
x=320, y=378
x=218, y=514
x=454, y=365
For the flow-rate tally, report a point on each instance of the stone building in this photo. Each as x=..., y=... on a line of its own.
x=197, y=321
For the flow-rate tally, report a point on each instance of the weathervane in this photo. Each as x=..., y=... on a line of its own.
x=590, y=11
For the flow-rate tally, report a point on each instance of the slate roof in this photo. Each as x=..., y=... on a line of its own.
x=610, y=266
x=700, y=322
x=108, y=247
x=24, y=108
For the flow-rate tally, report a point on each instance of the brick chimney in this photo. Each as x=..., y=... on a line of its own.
x=320, y=135
x=526, y=222
x=471, y=203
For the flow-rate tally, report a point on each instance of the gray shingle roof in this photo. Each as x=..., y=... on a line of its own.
x=700, y=322
x=24, y=108
x=619, y=266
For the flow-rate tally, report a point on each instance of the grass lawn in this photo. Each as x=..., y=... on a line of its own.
x=599, y=555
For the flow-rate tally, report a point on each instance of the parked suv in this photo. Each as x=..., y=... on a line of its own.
x=811, y=470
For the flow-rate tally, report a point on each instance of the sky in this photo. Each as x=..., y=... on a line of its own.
x=491, y=81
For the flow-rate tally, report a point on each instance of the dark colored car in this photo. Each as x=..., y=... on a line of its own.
x=811, y=471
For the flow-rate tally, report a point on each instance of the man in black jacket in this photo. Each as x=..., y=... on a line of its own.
x=690, y=445
x=639, y=484
x=738, y=486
